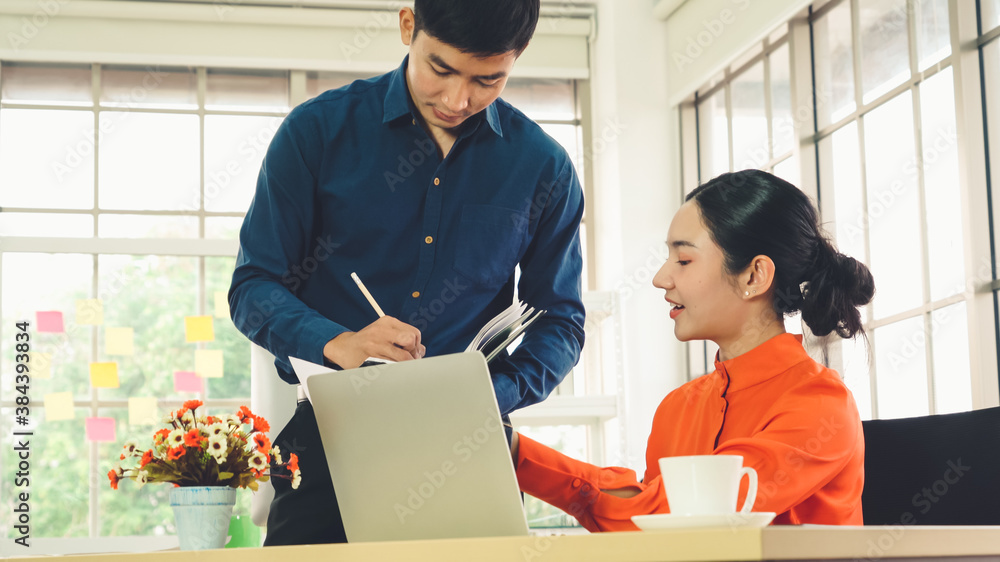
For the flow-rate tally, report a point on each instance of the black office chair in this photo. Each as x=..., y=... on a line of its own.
x=933, y=470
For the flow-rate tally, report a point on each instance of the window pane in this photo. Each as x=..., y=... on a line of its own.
x=319, y=82
x=782, y=124
x=46, y=224
x=151, y=295
x=542, y=98
x=933, y=34
x=569, y=440
x=952, y=372
x=46, y=84
x=991, y=83
x=841, y=160
x=235, y=382
x=885, y=61
x=149, y=161
x=223, y=228
x=47, y=158
x=49, y=282
x=856, y=372
x=941, y=191
x=991, y=14
x=247, y=90
x=234, y=149
x=893, y=207
x=149, y=86
x=146, y=226
x=569, y=137
x=834, y=65
x=901, y=369
x=789, y=170
x=713, y=136
x=750, y=142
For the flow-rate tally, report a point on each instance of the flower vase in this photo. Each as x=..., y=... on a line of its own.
x=202, y=515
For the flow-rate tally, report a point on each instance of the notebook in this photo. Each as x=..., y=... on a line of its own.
x=417, y=450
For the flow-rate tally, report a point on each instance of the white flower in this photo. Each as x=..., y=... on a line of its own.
x=188, y=417
x=175, y=438
x=217, y=447
x=296, y=479
x=258, y=460
x=141, y=478
x=217, y=429
x=168, y=418
x=132, y=448
x=277, y=454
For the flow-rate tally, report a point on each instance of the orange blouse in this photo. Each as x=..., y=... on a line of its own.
x=792, y=419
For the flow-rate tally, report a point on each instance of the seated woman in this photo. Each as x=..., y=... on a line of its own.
x=745, y=250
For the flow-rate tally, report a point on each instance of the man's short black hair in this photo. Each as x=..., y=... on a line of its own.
x=479, y=27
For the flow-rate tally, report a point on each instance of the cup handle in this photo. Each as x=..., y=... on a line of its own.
x=751, y=488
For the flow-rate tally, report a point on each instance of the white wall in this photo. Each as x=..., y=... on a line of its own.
x=636, y=193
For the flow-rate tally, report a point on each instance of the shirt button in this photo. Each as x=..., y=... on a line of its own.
x=416, y=294
x=429, y=239
x=577, y=482
x=414, y=121
x=437, y=181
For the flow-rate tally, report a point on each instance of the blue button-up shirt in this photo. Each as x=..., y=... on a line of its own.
x=352, y=182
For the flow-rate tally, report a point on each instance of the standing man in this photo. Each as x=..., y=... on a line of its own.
x=433, y=190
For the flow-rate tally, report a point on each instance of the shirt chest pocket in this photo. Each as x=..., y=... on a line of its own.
x=489, y=243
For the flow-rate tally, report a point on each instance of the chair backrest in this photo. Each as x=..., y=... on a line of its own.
x=274, y=399
x=933, y=470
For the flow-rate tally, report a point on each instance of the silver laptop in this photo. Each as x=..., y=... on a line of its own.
x=417, y=451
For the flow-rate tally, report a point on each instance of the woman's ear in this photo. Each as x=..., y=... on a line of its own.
x=758, y=277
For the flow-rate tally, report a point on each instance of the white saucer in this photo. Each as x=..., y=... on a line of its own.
x=667, y=521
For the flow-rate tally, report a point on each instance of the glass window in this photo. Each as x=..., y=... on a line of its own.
x=991, y=14
x=950, y=347
x=246, y=90
x=901, y=369
x=146, y=226
x=713, y=136
x=749, y=115
x=893, y=206
x=856, y=371
x=47, y=158
x=885, y=60
x=569, y=440
x=544, y=100
x=36, y=84
x=234, y=149
x=933, y=33
x=991, y=84
x=842, y=160
x=834, y=65
x=150, y=86
x=69, y=225
x=319, y=82
x=782, y=123
x=939, y=137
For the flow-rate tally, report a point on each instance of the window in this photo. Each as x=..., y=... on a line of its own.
x=880, y=132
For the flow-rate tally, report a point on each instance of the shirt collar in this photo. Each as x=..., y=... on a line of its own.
x=767, y=360
x=397, y=101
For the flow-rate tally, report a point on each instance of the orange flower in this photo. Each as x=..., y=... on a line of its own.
x=122, y=457
x=175, y=453
x=159, y=436
x=262, y=442
x=180, y=413
x=245, y=414
x=293, y=462
x=192, y=404
x=260, y=424
x=193, y=438
x=147, y=458
x=114, y=477
x=211, y=419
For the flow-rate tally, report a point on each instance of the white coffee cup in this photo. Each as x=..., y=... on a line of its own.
x=707, y=484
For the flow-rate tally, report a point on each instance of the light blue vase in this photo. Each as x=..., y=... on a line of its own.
x=202, y=515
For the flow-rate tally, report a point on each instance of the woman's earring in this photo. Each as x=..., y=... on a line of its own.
x=746, y=294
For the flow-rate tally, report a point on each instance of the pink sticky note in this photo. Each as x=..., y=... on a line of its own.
x=187, y=381
x=50, y=321
x=101, y=429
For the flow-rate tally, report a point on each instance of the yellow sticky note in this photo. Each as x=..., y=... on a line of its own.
x=104, y=375
x=90, y=312
x=198, y=328
x=59, y=406
x=118, y=341
x=142, y=411
x=221, y=305
x=208, y=363
x=40, y=365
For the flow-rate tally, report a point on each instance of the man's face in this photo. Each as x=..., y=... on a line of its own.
x=446, y=85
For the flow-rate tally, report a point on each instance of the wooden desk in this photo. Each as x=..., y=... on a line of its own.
x=772, y=543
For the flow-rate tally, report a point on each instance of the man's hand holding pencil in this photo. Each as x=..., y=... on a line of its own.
x=385, y=338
